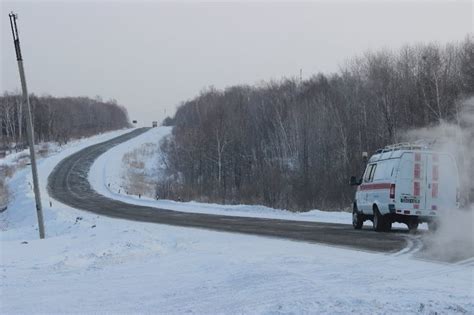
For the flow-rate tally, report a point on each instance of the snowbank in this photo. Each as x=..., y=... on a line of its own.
x=20, y=221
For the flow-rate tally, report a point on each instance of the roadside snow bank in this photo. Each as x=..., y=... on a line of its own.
x=19, y=220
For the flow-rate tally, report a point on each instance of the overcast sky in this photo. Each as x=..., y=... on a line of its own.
x=150, y=56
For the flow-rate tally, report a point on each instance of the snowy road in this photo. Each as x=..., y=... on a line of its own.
x=69, y=184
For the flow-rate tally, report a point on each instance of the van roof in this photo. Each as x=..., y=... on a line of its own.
x=418, y=145
x=394, y=154
x=394, y=151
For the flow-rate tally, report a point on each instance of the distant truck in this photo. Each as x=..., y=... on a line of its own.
x=154, y=124
x=3, y=151
x=406, y=183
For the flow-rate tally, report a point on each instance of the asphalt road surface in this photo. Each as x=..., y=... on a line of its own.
x=69, y=184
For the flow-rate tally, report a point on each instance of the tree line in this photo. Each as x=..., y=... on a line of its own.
x=57, y=118
x=293, y=144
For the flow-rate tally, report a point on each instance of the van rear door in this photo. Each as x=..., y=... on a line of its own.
x=411, y=181
x=442, y=182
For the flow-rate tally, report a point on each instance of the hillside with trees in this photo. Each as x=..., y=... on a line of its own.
x=293, y=144
x=58, y=119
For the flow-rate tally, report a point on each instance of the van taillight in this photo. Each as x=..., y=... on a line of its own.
x=392, y=191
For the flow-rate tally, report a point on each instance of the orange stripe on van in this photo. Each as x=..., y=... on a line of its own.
x=416, y=188
x=435, y=172
x=375, y=186
x=417, y=171
x=434, y=190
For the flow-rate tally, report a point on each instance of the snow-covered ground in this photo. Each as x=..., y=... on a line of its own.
x=94, y=264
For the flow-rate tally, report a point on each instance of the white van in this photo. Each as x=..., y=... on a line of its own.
x=405, y=183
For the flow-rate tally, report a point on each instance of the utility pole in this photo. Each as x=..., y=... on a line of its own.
x=29, y=123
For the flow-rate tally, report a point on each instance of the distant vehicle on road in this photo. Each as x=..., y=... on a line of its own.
x=154, y=124
x=134, y=121
x=406, y=183
x=4, y=149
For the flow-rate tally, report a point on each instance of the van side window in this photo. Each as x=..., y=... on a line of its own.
x=406, y=167
x=384, y=170
x=372, y=172
x=379, y=172
x=394, y=168
x=369, y=173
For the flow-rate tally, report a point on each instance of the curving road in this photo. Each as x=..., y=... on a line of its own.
x=69, y=184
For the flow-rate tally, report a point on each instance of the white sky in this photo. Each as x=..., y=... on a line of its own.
x=150, y=56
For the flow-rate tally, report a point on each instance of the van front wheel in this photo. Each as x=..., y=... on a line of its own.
x=357, y=219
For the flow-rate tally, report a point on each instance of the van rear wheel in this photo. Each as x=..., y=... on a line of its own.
x=433, y=225
x=412, y=225
x=357, y=219
x=378, y=221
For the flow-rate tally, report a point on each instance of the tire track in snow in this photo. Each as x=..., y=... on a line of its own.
x=414, y=245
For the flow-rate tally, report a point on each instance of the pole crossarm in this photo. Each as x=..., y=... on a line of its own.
x=16, y=39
